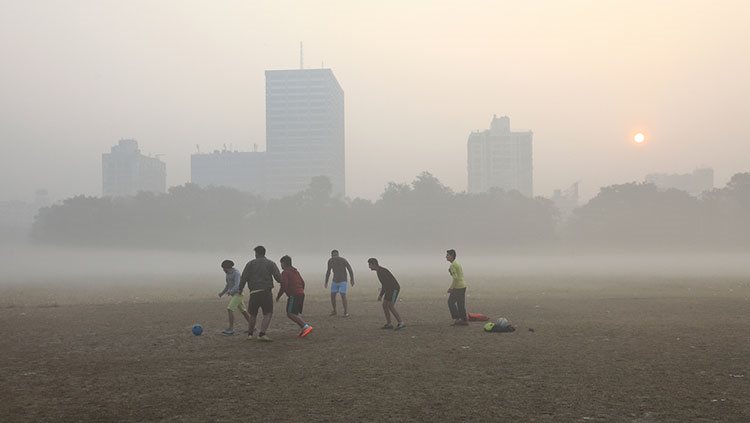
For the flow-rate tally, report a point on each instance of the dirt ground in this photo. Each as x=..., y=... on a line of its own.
x=602, y=349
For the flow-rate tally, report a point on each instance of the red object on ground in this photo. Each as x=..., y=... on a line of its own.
x=478, y=317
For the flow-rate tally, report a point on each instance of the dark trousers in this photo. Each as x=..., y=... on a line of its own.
x=457, y=303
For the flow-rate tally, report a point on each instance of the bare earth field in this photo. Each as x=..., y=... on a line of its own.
x=608, y=349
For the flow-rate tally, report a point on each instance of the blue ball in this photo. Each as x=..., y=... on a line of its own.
x=197, y=329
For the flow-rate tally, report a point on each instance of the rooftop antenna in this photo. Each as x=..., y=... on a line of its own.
x=198, y=148
x=301, y=56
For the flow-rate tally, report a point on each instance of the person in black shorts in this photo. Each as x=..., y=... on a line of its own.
x=388, y=293
x=294, y=286
x=259, y=275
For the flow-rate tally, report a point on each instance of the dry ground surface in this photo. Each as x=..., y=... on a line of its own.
x=604, y=348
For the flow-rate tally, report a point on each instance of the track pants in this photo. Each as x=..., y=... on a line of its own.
x=457, y=303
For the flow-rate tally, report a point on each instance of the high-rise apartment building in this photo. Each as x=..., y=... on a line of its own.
x=500, y=158
x=125, y=171
x=304, y=130
x=241, y=170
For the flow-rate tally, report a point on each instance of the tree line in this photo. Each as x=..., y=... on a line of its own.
x=422, y=215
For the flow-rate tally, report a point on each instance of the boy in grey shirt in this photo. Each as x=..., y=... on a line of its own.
x=232, y=288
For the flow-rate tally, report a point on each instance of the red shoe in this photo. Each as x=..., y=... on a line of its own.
x=305, y=331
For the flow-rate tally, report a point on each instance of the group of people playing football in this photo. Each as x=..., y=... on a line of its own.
x=259, y=274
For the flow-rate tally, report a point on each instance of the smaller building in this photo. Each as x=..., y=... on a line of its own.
x=566, y=200
x=241, y=170
x=501, y=158
x=125, y=171
x=695, y=183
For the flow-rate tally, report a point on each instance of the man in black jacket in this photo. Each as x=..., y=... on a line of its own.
x=259, y=275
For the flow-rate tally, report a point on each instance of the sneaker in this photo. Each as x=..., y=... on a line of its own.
x=305, y=331
x=228, y=332
x=387, y=326
x=461, y=322
x=400, y=326
x=333, y=313
x=264, y=338
x=345, y=315
x=250, y=337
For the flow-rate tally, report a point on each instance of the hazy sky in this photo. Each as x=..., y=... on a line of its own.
x=419, y=76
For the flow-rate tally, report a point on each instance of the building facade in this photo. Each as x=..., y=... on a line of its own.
x=501, y=158
x=244, y=171
x=125, y=171
x=695, y=183
x=566, y=200
x=304, y=130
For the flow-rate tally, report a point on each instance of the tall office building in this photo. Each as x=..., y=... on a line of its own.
x=304, y=130
x=241, y=170
x=500, y=158
x=125, y=171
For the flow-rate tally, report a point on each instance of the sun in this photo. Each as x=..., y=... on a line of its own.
x=639, y=138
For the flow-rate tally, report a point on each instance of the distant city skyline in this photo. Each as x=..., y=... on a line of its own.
x=418, y=77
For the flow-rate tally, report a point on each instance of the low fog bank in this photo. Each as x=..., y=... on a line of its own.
x=409, y=218
x=54, y=266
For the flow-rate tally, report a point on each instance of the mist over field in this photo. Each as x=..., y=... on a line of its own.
x=97, y=268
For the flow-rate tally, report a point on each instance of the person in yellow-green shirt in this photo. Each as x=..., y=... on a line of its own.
x=457, y=291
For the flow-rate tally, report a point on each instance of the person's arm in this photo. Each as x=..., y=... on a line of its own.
x=225, y=290
x=328, y=273
x=351, y=272
x=245, y=278
x=284, y=283
x=382, y=286
x=275, y=272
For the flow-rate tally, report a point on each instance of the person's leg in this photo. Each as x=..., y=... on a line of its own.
x=267, y=307
x=296, y=319
x=452, y=306
x=292, y=306
x=333, y=302
x=231, y=320
x=245, y=314
x=251, y=323
x=252, y=308
x=241, y=307
x=343, y=301
x=265, y=323
x=386, y=311
x=461, y=304
x=392, y=308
